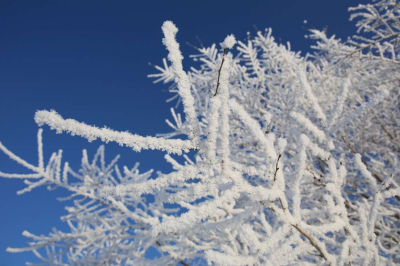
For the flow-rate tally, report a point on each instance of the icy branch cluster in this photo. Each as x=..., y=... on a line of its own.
x=296, y=160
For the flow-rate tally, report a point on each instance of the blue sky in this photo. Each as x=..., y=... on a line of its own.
x=88, y=60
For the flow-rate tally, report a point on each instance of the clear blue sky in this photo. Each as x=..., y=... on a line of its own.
x=88, y=60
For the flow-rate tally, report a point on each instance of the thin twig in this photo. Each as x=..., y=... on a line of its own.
x=180, y=262
x=276, y=167
x=318, y=255
x=255, y=27
x=198, y=39
x=219, y=71
x=283, y=208
x=311, y=241
x=316, y=177
x=193, y=46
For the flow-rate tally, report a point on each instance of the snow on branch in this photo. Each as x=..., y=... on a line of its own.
x=364, y=107
x=152, y=185
x=305, y=85
x=136, y=142
x=169, y=29
x=306, y=123
x=254, y=127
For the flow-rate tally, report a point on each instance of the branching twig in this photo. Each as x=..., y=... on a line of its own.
x=369, y=46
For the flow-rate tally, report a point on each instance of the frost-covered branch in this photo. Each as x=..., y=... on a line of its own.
x=136, y=142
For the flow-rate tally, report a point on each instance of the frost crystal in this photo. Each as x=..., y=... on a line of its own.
x=229, y=42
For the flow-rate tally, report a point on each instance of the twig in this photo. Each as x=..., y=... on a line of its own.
x=320, y=161
x=316, y=177
x=255, y=27
x=198, y=39
x=306, y=236
x=276, y=167
x=283, y=208
x=180, y=262
x=318, y=255
x=219, y=71
x=193, y=46
x=311, y=241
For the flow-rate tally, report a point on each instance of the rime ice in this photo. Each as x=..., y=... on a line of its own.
x=294, y=162
x=229, y=42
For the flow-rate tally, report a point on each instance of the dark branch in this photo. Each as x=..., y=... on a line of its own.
x=276, y=167
x=219, y=71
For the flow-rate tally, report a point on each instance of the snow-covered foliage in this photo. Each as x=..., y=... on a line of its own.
x=296, y=160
